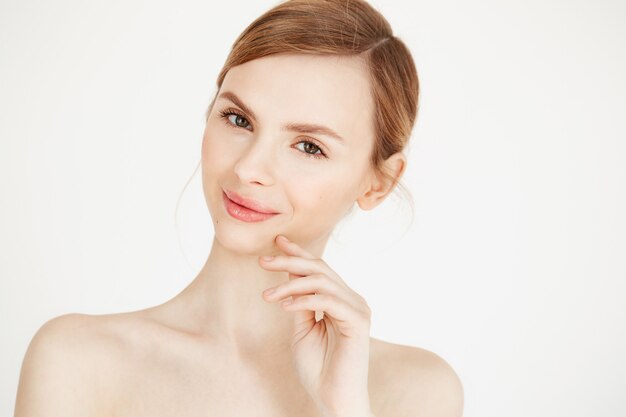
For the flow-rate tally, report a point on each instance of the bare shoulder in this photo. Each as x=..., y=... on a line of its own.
x=411, y=381
x=67, y=363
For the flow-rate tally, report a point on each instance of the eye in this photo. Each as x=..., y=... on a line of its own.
x=238, y=121
x=310, y=150
x=310, y=146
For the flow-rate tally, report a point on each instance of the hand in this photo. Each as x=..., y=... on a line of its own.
x=331, y=355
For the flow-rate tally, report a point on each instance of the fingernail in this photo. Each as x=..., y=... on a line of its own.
x=269, y=291
x=283, y=238
x=268, y=258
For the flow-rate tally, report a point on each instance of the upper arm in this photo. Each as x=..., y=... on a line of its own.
x=427, y=386
x=53, y=375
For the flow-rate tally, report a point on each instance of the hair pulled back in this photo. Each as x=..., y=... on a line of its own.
x=342, y=27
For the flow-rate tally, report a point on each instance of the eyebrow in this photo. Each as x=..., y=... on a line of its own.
x=296, y=127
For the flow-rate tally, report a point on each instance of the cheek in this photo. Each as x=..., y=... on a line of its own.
x=320, y=199
x=215, y=156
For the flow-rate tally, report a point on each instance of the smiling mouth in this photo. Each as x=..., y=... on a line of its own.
x=249, y=203
x=244, y=213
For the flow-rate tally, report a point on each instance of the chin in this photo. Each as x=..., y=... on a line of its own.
x=254, y=239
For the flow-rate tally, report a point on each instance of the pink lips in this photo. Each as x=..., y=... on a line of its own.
x=249, y=203
x=246, y=209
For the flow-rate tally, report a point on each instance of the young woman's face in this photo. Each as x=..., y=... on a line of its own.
x=258, y=144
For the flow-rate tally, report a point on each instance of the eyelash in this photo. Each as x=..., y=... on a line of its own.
x=230, y=112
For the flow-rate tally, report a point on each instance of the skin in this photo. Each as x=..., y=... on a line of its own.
x=221, y=336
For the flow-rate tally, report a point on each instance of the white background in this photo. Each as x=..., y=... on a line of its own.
x=513, y=270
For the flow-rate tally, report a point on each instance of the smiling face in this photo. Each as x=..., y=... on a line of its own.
x=260, y=142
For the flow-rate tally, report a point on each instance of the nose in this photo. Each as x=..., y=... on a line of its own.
x=254, y=164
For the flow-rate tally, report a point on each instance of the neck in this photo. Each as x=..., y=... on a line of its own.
x=225, y=303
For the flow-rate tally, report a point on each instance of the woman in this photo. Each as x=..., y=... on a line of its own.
x=313, y=108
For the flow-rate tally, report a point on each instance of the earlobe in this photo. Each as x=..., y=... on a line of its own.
x=379, y=185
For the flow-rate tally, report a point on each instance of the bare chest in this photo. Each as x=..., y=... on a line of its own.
x=212, y=388
x=174, y=376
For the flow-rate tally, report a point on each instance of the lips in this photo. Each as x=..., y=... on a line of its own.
x=249, y=203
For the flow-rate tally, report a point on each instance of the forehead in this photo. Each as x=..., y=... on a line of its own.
x=328, y=90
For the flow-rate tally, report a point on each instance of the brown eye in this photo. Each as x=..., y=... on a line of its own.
x=240, y=121
x=310, y=149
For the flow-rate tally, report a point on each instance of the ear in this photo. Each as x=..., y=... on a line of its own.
x=378, y=187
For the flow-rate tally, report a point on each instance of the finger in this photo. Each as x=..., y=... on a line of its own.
x=316, y=284
x=301, y=267
x=349, y=322
x=312, y=284
x=294, y=264
x=292, y=248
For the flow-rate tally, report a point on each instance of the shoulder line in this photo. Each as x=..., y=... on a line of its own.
x=421, y=383
x=57, y=372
